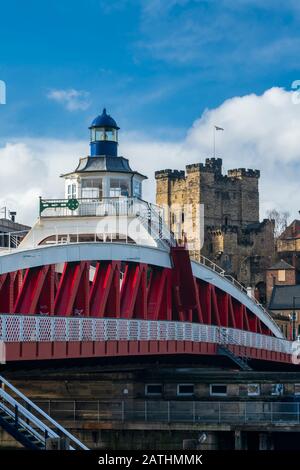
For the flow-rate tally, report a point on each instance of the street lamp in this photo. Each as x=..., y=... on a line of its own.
x=293, y=317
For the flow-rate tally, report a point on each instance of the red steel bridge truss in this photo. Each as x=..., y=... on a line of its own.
x=98, y=308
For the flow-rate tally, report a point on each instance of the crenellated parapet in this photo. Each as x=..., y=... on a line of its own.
x=170, y=174
x=243, y=173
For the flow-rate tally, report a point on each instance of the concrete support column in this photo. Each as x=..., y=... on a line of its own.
x=265, y=441
x=240, y=440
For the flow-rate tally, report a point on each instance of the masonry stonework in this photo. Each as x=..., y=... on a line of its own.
x=233, y=237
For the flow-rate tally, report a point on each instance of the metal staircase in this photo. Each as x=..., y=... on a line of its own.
x=29, y=424
x=241, y=362
x=224, y=350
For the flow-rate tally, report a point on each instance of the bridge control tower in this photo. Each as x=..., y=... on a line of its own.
x=103, y=199
x=103, y=174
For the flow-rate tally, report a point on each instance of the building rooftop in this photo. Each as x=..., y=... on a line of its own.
x=292, y=231
x=283, y=265
x=282, y=298
x=7, y=225
x=103, y=163
x=104, y=120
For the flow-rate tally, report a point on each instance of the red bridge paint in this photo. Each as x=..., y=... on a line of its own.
x=147, y=292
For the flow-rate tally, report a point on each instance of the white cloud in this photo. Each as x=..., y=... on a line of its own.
x=71, y=99
x=260, y=132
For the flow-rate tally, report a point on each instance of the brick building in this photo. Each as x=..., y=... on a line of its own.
x=227, y=228
x=288, y=245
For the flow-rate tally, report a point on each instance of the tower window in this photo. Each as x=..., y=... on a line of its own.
x=119, y=187
x=91, y=188
x=137, y=188
x=103, y=133
x=72, y=191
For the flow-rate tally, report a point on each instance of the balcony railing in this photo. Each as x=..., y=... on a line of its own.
x=171, y=411
x=106, y=206
x=150, y=215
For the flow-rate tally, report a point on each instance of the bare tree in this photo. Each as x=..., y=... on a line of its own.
x=281, y=220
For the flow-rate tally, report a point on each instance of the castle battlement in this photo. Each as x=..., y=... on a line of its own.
x=211, y=165
x=170, y=174
x=243, y=172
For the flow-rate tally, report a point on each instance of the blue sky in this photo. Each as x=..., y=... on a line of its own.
x=156, y=64
x=167, y=71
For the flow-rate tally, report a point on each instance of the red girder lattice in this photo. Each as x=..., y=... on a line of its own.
x=124, y=289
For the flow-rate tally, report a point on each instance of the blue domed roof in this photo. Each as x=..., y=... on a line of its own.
x=104, y=120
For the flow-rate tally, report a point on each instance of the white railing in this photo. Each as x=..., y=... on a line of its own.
x=148, y=214
x=27, y=328
x=11, y=240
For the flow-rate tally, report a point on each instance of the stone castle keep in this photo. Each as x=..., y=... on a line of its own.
x=234, y=238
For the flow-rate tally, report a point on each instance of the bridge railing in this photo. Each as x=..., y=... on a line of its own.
x=26, y=328
x=171, y=411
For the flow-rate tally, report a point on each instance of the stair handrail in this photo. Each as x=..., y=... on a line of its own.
x=28, y=415
x=226, y=338
x=62, y=430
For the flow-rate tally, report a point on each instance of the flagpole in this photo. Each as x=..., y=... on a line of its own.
x=216, y=128
x=214, y=140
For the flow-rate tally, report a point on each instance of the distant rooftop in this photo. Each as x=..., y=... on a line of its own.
x=292, y=231
x=282, y=265
x=282, y=298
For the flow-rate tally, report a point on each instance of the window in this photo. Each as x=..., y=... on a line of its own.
x=91, y=188
x=102, y=133
x=185, y=389
x=253, y=390
x=218, y=390
x=137, y=188
x=153, y=389
x=297, y=389
x=119, y=187
x=281, y=275
x=277, y=390
x=72, y=191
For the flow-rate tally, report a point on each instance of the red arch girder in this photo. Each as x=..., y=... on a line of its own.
x=105, y=290
x=146, y=292
x=159, y=295
x=36, y=294
x=72, y=297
